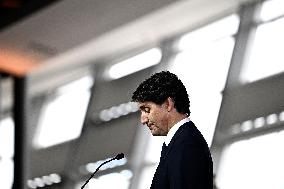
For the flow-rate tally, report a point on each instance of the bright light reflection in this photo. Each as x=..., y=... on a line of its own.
x=281, y=116
x=127, y=174
x=217, y=30
x=259, y=122
x=146, y=177
x=62, y=118
x=272, y=9
x=154, y=148
x=255, y=163
x=7, y=138
x=109, y=181
x=6, y=152
x=136, y=63
x=6, y=173
x=91, y=167
x=266, y=57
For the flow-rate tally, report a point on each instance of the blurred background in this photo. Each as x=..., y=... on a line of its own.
x=68, y=69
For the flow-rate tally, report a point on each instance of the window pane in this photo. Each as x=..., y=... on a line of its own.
x=7, y=138
x=147, y=177
x=217, y=30
x=271, y=9
x=62, y=118
x=6, y=153
x=204, y=72
x=6, y=173
x=255, y=163
x=266, y=57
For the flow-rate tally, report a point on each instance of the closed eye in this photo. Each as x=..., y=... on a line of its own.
x=145, y=109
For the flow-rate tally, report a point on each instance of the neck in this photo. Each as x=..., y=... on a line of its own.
x=175, y=119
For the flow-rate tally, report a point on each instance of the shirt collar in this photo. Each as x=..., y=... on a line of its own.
x=174, y=129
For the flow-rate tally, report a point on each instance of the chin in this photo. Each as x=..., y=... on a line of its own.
x=158, y=134
x=154, y=134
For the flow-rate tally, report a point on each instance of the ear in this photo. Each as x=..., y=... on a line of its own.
x=170, y=104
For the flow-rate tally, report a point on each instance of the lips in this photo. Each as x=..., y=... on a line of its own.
x=150, y=126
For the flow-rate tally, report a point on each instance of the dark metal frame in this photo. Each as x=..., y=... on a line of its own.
x=22, y=144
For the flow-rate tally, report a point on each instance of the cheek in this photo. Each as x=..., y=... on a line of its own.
x=156, y=116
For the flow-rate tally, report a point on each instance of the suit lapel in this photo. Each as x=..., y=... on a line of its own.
x=176, y=135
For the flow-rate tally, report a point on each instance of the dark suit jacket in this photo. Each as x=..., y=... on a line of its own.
x=187, y=164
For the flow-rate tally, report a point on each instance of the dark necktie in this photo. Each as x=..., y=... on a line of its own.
x=164, y=150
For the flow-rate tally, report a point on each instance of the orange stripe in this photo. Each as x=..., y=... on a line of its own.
x=16, y=63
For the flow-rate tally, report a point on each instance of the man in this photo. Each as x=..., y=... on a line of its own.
x=185, y=161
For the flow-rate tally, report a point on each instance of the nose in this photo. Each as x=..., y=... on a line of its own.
x=143, y=118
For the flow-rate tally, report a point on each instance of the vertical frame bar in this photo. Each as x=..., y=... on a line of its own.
x=22, y=152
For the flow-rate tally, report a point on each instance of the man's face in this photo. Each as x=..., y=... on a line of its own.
x=155, y=117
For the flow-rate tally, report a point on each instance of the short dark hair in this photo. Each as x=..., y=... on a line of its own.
x=159, y=87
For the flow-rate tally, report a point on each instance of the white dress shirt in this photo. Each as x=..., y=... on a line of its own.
x=174, y=129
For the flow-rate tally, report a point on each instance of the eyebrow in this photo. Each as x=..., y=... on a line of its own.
x=142, y=107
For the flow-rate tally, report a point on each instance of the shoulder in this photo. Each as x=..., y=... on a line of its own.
x=190, y=133
x=190, y=138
